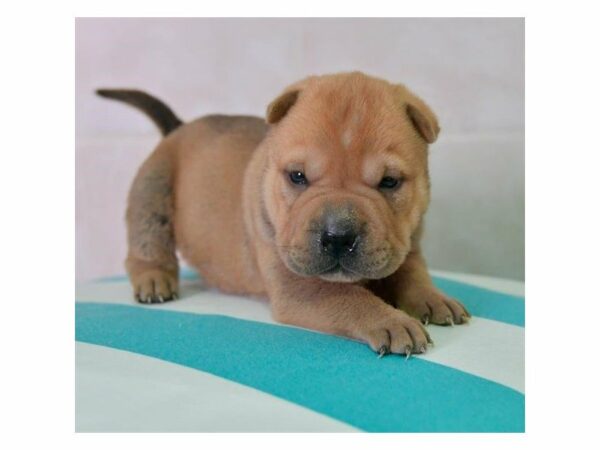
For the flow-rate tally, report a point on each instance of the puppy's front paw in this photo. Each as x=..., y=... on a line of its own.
x=154, y=286
x=430, y=305
x=396, y=333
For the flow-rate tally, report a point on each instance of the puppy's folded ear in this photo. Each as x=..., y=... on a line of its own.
x=421, y=115
x=279, y=107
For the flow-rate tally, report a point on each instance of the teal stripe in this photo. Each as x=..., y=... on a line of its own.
x=184, y=274
x=479, y=301
x=334, y=376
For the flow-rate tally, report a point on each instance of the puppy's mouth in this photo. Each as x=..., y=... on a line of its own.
x=350, y=269
x=340, y=274
x=326, y=269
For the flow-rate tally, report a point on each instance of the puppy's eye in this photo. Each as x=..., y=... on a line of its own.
x=298, y=177
x=390, y=183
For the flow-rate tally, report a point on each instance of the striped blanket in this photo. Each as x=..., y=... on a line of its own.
x=214, y=362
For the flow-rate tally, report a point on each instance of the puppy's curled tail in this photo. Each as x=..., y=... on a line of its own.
x=164, y=118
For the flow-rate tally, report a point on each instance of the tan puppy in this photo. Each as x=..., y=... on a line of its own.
x=320, y=208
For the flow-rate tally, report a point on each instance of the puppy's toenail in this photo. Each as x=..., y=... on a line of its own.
x=383, y=350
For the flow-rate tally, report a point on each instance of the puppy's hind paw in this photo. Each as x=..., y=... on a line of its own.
x=155, y=286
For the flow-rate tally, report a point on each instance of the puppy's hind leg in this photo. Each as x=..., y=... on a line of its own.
x=151, y=261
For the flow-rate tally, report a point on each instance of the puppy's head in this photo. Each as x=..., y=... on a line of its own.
x=346, y=182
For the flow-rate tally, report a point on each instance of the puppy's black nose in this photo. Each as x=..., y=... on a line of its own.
x=338, y=244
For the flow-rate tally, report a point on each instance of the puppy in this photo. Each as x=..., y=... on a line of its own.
x=319, y=208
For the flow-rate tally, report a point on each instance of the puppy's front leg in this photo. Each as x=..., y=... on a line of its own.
x=411, y=289
x=346, y=310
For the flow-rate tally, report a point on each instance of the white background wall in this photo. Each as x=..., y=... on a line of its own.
x=471, y=71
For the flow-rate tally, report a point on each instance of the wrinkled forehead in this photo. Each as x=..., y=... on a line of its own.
x=358, y=110
x=344, y=125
